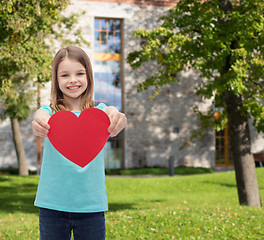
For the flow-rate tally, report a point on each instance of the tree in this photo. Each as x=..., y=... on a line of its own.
x=215, y=36
x=18, y=98
x=28, y=30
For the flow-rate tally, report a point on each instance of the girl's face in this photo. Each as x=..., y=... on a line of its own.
x=72, y=80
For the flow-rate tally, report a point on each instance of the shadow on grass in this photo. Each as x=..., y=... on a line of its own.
x=181, y=170
x=120, y=206
x=17, y=196
x=127, y=206
x=221, y=184
x=156, y=200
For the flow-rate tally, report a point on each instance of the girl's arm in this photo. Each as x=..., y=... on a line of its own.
x=40, y=124
x=118, y=120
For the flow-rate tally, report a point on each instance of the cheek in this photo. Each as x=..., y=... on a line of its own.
x=85, y=83
x=60, y=84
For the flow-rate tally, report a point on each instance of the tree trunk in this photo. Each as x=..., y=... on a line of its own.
x=247, y=185
x=21, y=157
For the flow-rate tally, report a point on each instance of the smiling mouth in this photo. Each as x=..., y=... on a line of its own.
x=73, y=87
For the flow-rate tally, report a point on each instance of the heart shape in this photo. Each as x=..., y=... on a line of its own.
x=79, y=139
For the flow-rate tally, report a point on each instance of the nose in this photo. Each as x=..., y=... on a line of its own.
x=72, y=79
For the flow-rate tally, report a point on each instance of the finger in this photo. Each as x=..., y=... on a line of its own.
x=117, y=130
x=38, y=129
x=40, y=134
x=122, y=121
x=113, y=122
x=43, y=122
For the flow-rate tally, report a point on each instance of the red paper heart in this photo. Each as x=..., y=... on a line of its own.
x=79, y=139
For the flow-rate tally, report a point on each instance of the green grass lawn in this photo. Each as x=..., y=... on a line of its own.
x=181, y=207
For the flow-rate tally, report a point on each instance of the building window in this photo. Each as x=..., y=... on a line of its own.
x=108, y=78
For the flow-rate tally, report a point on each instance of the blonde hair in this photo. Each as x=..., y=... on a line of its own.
x=58, y=102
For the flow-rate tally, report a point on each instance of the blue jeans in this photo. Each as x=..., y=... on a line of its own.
x=57, y=225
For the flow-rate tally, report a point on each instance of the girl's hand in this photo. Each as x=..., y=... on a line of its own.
x=40, y=124
x=118, y=120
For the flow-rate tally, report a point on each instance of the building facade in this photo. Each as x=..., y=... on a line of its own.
x=156, y=129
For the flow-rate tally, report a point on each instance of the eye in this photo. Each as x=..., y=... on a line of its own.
x=80, y=74
x=64, y=75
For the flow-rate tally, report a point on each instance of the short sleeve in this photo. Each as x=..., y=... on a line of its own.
x=46, y=108
x=101, y=106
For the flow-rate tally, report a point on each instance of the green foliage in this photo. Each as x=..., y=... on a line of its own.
x=187, y=207
x=227, y=47
x=28, y=31
x=18, y=98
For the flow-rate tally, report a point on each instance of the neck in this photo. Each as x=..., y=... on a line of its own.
x=75, y=103
x=76, y=107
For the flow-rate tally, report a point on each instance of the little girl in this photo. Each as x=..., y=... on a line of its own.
x=71, y=198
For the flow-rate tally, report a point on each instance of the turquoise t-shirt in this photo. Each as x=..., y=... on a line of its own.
x=65, y=186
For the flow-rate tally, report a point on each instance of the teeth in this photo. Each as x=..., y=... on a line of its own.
x=71, y=88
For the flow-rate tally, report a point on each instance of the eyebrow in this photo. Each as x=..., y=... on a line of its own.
x=81, y=70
